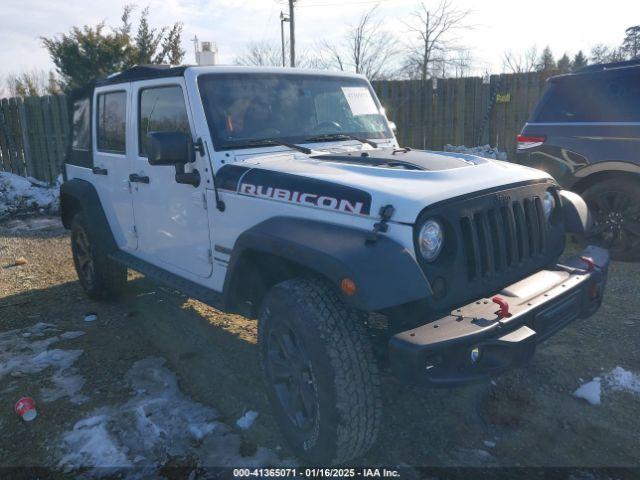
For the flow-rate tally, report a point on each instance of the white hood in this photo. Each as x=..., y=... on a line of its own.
x=409, y=191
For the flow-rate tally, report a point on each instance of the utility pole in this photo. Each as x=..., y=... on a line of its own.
x=292, y=34
x=283, y=18
x=195, y=47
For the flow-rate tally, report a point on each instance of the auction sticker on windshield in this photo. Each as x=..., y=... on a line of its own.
x=360, y=101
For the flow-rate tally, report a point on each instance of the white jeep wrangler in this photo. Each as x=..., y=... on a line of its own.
x=283, y=195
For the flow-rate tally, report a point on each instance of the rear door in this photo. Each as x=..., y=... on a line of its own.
x=171, y=218
x=110, y=161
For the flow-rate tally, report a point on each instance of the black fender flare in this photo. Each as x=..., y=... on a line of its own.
x=76, y=195
x=577, y=218
x=385, y=273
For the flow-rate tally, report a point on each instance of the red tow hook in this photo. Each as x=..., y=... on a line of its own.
x=504, y=307
x=591, y=265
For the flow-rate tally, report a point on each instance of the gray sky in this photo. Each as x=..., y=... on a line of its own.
x=566, y=25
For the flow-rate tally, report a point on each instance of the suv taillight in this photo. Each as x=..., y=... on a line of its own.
x=526, y=142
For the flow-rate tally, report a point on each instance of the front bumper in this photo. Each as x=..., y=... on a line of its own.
x=476, y=342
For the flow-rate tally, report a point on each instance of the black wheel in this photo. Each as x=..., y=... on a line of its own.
x=615, y=205
x=320, y=372
x=100, y=277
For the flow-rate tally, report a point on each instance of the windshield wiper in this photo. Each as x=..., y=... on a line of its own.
x=340, y=136
x=272, y=141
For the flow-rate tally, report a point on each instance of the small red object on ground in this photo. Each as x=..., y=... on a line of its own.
x=26, y=409
x=504, y=307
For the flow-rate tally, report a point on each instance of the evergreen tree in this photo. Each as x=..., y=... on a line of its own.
x=564, y=64
x=631, y=44
x=87, y=53
x=579, y=61
x=547, y=62
x=147, y=40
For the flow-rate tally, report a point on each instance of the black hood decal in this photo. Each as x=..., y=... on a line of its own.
x=404, y=158
x=290, y=188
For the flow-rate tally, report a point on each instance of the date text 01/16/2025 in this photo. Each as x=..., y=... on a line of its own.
x=316, y=472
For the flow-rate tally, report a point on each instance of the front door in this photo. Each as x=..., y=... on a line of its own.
x=171, y=218
x=110, y=163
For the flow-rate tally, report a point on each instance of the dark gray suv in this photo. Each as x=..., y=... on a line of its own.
x=585, y=131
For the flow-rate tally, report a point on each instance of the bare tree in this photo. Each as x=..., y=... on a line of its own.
x=435, y=29
x=601, y=53
x=367, y=48
x=260, y=54
x=522, y=62
x=32, y=83
x=265, y=54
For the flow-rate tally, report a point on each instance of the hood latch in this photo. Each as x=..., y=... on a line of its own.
x=385, y=213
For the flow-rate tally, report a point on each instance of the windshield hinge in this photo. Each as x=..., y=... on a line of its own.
x=385, y=213
x=210, y=256
x=204, y=200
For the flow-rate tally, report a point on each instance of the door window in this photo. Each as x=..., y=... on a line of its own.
x=162, y=109
x=112, y=114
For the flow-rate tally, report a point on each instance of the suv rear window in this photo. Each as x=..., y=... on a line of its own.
x=112, y=111
x=605, y=97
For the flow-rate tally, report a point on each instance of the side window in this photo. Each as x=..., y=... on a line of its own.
x=81, y=137
x=112, y=114
x=162, y=109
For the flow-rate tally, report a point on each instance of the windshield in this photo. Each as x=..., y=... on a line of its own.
x=245, y=108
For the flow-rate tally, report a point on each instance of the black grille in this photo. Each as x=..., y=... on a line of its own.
x=497, y=239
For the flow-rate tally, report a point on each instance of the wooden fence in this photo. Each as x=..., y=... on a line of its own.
x=459, y=111
x=33, y=136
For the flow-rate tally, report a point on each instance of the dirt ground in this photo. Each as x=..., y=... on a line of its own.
x=528, y=417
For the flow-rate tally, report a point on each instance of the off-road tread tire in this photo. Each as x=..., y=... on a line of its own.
x=111, y=277
x=356, y=379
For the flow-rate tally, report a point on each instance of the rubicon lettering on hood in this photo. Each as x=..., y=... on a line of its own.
x=303, y=198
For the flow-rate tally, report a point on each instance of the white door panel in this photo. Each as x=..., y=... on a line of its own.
x=171, y=218
x=111, y=165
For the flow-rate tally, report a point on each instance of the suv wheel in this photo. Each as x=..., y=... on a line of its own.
x=100, y=277
x=320, y=372
x=615, y=205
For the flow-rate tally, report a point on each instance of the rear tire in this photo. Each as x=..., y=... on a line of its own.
x=320, y=373
x=615, y=206
x=100, y=277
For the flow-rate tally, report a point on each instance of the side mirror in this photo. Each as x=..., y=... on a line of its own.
x=170, y=148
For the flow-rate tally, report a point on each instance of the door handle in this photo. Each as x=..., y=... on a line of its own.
x=134, y=177
x=99, y=171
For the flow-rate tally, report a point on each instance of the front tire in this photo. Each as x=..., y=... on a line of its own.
x=615, y=205
x=100, y=277
x=320, y=373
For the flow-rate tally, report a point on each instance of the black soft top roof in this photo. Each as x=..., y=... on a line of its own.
x=142, y=72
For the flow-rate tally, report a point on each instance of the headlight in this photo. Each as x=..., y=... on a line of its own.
x=548, y=204
x=431, y=239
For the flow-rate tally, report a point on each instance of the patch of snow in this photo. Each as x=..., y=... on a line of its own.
x=617, y=379
x=623, y=380
x=489, y=443
x=22, y=355
x=156, y=423
x=19, y=195
x=485, y=151
x=590, y=391
x=247, y=420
